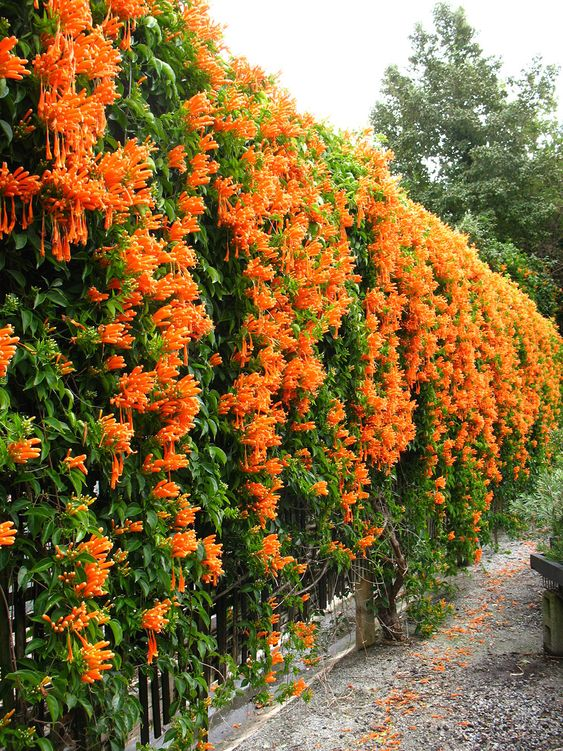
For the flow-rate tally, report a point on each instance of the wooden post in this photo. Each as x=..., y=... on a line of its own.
x=6, y=645
x=365, y=618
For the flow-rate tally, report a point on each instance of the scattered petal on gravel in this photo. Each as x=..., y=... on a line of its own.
x=481, y=683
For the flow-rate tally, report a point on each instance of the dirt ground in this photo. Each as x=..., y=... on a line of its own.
x=481, y=683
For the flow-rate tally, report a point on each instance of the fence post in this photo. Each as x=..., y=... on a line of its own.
x=6, y=644
x=365, y=612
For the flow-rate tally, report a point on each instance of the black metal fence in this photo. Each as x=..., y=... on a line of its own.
x=153, y=687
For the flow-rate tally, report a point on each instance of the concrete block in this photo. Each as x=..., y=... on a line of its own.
x=553, y=622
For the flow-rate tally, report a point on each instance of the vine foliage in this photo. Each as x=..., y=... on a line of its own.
x=231, y=349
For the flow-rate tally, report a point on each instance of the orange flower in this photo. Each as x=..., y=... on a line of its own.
x=270, y=555
x=212, y=560
x=336, y=413
x=114, y=362
x=116, y=436
x=10, y=65
x=7, y=347
x=95, y=657
x=186, y=513
x=154, y=620
x=96, y=296
x=21, y=451
x=306, y=633
x=177, y=158
x=77, y=620
x=76, y=462
x=183, y=543
x=215, y=359
x=128, y=527
x=165, y=489
x=277, y=657
x=319, y=488
x=7, y=533
x=439, y=498
x=97, y=571
x=116, y=334
x=298, y=687
x=17, y=184
x=303, y=426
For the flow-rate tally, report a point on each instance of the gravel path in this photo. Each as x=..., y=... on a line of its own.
x=481, y=683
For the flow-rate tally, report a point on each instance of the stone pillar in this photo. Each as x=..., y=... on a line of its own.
x=365, y=612
x=553, y=622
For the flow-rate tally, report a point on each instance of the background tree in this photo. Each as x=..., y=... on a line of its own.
x=481, y=151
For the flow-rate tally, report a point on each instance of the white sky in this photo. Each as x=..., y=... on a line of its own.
x=332, y=54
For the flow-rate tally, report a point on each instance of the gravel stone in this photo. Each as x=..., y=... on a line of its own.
x=481, y=683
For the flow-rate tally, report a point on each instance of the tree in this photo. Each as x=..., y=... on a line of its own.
x=483, y=152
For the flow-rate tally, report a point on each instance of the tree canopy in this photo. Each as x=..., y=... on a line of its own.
x=482, y=151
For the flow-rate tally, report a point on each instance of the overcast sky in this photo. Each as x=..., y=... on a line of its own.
x=331, y=54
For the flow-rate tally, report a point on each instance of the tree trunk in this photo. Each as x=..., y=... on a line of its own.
x=391, y=623
x=387, y=614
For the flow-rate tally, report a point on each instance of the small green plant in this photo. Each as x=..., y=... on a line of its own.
x=542, y=507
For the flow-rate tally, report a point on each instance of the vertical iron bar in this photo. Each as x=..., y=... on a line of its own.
x=165, y=697
x=144, y=701
x=155, y=700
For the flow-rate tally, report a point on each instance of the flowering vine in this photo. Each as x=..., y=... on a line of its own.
x=231, y=350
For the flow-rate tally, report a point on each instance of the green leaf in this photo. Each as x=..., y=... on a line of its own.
x=22, y=576
x=217, y=453
x=56, y=296
x=53, y=706
x=33, y=645
x=43, y=565
x=71, y=701
x=6, y=127
x=27, y=318
x=44, y=744
x=20, y=239
x=117, y=632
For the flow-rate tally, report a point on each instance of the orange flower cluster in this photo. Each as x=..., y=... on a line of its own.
x=17, y=184
x=11, y=66
x=117, y=437
x=97, y=571
x=8, y=344
x=77, y=620
x=212, y=560
x=22, y=451
x=154, y=620
x=96, y=657
x=74, y=118
x=298, y=687
x=270, y=556
x=182, y=545
x=76, y=462
x=296, y=283
x=177, y=158
x=7, y=534
x=305, y=632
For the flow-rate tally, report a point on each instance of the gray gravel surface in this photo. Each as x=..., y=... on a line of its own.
x=481, y=683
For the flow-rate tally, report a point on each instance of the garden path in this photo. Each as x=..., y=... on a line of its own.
x=481, y=683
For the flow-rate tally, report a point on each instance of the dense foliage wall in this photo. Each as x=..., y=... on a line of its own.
x=215, y=311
